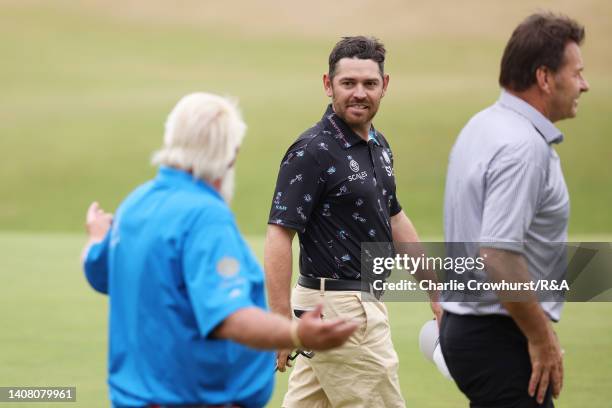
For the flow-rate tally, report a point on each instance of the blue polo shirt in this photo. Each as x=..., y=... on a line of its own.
x=175, y=266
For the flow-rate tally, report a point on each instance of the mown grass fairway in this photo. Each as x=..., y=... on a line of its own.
x=86, y=87
x=54, y=332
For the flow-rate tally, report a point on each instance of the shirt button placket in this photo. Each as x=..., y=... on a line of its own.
x=379, y=184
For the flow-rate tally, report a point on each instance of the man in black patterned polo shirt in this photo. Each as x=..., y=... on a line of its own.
x=336, y=188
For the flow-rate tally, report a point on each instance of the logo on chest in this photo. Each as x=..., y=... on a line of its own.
x=355, y=168
x=358, y=176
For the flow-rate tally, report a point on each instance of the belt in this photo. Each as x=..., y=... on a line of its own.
x=329, y=284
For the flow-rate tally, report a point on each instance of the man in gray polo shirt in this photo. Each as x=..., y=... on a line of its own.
x=505, y=200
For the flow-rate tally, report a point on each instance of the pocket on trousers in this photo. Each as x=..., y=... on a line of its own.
x=378, y=327
x=348, y=307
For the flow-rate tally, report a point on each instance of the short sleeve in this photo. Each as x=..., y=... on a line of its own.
x=96, y=264
x=216, y=272
x=512, y=194
x=395, y=206
x=301, y=181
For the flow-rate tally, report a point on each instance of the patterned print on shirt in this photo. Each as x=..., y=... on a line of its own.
x=301, y=213
x=326, y=211
x=296, y=179
x=342, y=190
x=359, y=218
x=278, y=196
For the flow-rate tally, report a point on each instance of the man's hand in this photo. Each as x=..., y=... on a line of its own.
x=544, y=350
x=437, y=311
x=258, y=329
x=317, y=334
x=547, y=367
x=282, y=360
x=97, y=222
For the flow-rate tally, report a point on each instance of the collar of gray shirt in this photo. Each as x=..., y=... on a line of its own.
x=545, y=127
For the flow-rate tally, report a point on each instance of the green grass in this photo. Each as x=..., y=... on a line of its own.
x=54, y=332
x=86, y=87
x=85, y=92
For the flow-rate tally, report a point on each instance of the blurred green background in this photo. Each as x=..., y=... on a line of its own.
x=85, y=89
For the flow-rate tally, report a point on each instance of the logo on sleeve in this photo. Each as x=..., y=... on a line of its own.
x=388, y=168
x=386, y=156
x=228, y=266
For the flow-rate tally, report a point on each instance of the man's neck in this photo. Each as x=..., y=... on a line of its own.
x=533, y=97
x=362, y=131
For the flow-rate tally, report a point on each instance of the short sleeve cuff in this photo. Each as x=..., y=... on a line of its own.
x=396, y=210
x=288, y=224
x=498, y=243
x=216, y=318
x=94, y=253
x=95, y=266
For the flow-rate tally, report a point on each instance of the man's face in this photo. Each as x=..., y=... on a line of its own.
x=356, y=91
x=567, y=84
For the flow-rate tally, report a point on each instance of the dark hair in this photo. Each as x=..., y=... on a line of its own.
x=539, y=40
x=357, y=47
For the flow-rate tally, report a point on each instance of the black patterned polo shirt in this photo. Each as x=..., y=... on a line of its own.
x=337, y=191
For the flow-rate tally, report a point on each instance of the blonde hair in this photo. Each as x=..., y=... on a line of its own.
x=202, y=135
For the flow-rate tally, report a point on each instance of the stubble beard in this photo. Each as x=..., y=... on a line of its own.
x=227, y=186
x=360, y=122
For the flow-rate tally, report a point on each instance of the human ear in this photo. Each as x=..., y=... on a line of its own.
x=544, y=78
x=327, y=84
x=385, y=84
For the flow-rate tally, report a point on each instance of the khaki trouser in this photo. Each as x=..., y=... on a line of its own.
x=361, y=373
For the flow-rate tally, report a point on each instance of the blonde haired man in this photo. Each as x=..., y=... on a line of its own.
x=186, y=294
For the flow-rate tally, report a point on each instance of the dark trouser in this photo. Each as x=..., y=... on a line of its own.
x=488, y=359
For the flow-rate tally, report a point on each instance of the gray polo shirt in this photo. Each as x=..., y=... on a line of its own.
x=505, y=189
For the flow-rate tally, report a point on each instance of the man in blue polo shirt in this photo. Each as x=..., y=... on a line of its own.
x=184, y=287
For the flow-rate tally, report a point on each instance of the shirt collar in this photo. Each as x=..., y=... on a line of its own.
x=373, y=136
x=545, y=127
x=173, y=176
x=343, y=133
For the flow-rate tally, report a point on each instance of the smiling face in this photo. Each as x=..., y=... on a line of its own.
x=356, y=90
x=567, y=85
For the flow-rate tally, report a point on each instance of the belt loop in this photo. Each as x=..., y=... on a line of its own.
x=322, y=287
